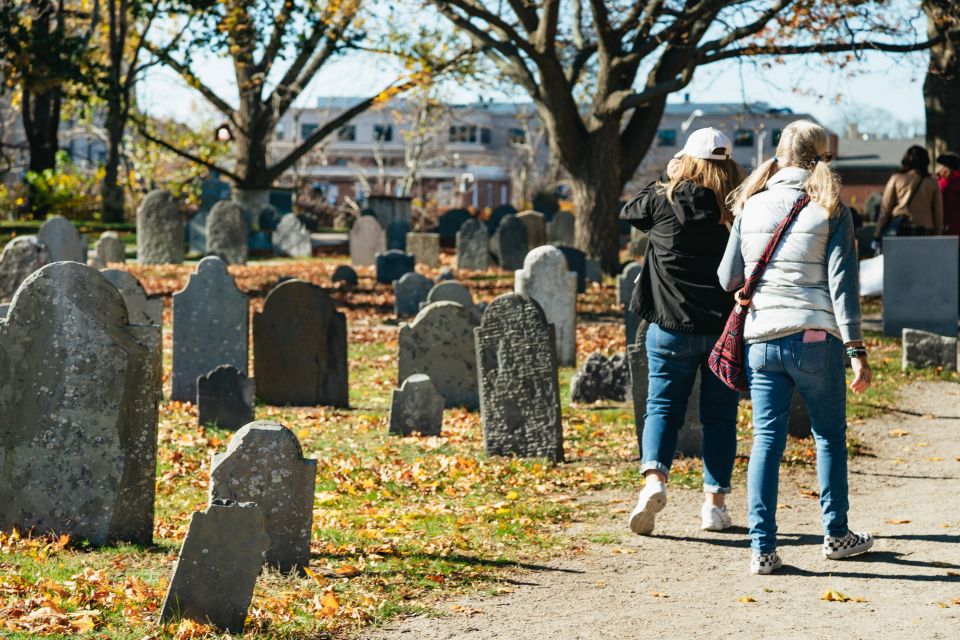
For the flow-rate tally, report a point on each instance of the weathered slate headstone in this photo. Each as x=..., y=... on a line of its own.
x=497, y=216
x=197, y=232
x=227, y=232
x=601, y=378
x=416, y=407
x=397, y=235
x=450, y=222
x=473, y=246
x=451, y=291
x=210, y=326
x=536, y=226
x=439, y=343
x=392, y=264
x=561, y=228
x=346, y=275
x=21, y=256
x=913, y=298
x=576, y=262
x=79, y=394
x=140, y=308
x=225, y=398
x=159, y=230
x=291, y=238
x=509, y=243
x=519, y=386
x=626, y=282
x=367, y=239
x=108, y=249
x=300, y=348
x=218, y=566
x=922, y=349
x=425, y=247
x=264, y=464
x=409, y=292
x=63, y=240
x=545, y=278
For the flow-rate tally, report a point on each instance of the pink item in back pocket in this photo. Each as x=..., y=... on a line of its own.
x=814, y=335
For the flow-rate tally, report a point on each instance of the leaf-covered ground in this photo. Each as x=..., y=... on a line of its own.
x=398, y=522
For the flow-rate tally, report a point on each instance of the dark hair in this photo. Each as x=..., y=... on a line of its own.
x=916, y=158
x=950, y=160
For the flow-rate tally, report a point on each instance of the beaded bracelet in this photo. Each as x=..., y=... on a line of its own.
x=856, y=352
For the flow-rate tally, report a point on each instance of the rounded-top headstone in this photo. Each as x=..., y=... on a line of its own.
x=292, y=238
x=63, y=240
x=109, y=249
x=546, y=279
x=626, y=281
x=451, y=291
x=409, y=291
x=367, y=239
x=345, y=274
x=227, y=232
x=536, y=225
x=510, y=243
x=473, y=246
x=159, y=229
x=140, y=308
x=22, y=256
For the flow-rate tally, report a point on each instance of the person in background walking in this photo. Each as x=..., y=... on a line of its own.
x=803, y=318
x=948, y=176
x=912, y=204
x=677, y=292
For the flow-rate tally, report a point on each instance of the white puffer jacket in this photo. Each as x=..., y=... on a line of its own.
x=812, y=280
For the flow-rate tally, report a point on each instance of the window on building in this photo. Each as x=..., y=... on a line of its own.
x=775, y=138
x=347, y=133
x=383, y=132
x=306, y=130
x=463, y=133
x=339, y=162
x=279, y=131
x=485, y=135
x=743, y=138
x=667, y=138
x=517, y=136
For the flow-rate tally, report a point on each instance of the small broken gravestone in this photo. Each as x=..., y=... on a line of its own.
x=227, y=232
x=291, y=238
x=519, y=384
x=63, y=241
x=425, y=248
x=601, y=378
x=218, y=565
x=140, y=308
x=473, y=246
x=108, y=249
x=367, y=239
x=577, y=262
x=536, y=225
x=264, y=464
x=159, y=229
x=922, y=350
x=392, y=264
x=545, y=278
x=509, y=243
x=21, y=256
x=225, y=398
x=408, y=292
x=416, y=407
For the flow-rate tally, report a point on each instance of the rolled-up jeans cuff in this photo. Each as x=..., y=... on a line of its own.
x=713, y=488
x=653, y=465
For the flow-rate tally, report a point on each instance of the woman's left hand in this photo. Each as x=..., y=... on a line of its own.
x=862, y=375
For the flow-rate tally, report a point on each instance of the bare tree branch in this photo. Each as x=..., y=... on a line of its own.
x=144, y=130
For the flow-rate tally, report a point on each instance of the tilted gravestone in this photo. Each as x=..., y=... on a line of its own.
x=626, y=282
x=601, y=378
x=439, y=343
x=367, y=239
x=291, y=238
x=108, y=249
x=425, y=247
x=509, y=243
x=519, y=386
x=545, y=278
x=227, y=232
x=576, y=262
x=409, y=292
x=218, y=566
x=560, y=230
x=536, y=225
x=473, y=246
x=210, y=326
x=346, y=275
x=79, y=395
x=392, y=264
x=416, y=407
x=21, y=257
x=140, y=308
x=63, y=241
x=912, y=298
x=159, y=230
x=397, y=235
x=300, y=348
x=225, y=398
x=264, y=464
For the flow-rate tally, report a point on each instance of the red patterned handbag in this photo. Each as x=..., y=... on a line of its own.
x=727, y=358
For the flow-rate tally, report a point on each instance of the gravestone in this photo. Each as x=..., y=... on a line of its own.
x=140, y=308
x=397, y=235
x=79, y=394
x=210, y=325
x=594, y=272
x=561, y=228
x=546, y=203
x=446, y=273
x=920, y=285
x=453, y=291
x=576, y=262
x=159, y=229
x=626, y=282
x=346, y=275
x=922, y=349
x=197, y=232
x=367, y=239
x=416, y=407
x=291, y=238
x=227, y=232
x=545, y=279
x=449, y=223
x=393, y=264
x=497, y=215
x=225, y=398
x=63, y=241
x=300, y=348
x=601, y=378
x=690, y=438
x=21, y=256
x=408, y=292
x=390, y=208
x=864, y=241
x=109, y=249
x=425, y=247
x=536, y=226
x=218, y=566
x=4, y=308
x=509, y=243
x=632, y=322
x=264, y=464
x=473, y=246
x=519, y=386
x=439, y=343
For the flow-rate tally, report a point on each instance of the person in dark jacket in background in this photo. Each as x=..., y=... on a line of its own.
x=687, y=221
x=948, y=177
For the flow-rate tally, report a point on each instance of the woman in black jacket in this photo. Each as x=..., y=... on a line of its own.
x=686, y=217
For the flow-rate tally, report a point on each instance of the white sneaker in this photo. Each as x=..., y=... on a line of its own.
x=764, y=564
x=652, y=500
x=849, y=545
x=714, y=518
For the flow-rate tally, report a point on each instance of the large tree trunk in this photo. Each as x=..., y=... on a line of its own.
x=252, y=135
x=41, y=122
x=111, y=191
x=596, y=185
x=941, y=89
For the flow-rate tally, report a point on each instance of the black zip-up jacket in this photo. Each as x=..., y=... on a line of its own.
x=678, y=287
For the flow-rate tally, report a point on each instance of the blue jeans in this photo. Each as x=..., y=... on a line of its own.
x=817, y=370
x=673, y=360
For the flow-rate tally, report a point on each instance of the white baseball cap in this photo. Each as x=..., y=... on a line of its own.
x=707, y=144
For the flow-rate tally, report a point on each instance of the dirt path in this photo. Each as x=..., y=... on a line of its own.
x=687, y=583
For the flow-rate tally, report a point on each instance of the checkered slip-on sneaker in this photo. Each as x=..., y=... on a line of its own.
x=764, y=564
x=849, y=545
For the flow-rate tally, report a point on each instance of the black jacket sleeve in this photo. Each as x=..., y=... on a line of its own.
x=639, y=211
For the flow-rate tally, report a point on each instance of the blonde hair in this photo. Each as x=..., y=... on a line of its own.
x=802, y=144
x=719, y=176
